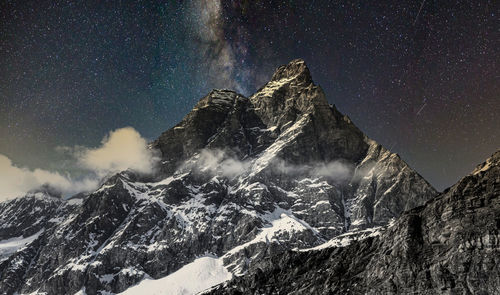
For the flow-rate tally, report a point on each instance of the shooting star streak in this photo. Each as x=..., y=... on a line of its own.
x=421, y=109
x=421, y=6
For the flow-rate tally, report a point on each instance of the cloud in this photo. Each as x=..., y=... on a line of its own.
x=16, y=181
x=336, y=170
x=120, y=150
x=219, y=162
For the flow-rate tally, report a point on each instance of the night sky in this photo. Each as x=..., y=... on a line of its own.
x=420, y=77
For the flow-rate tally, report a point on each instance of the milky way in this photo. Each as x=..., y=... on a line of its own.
x=420, y=77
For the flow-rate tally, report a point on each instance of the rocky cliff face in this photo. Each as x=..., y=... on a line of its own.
x=240, y=178
x=24, y=225
x=28, y=215
x=450, y=245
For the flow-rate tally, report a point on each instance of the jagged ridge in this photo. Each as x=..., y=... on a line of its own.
x=450, y=245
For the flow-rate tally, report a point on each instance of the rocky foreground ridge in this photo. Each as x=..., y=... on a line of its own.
x=450, y=245
x=242, y=179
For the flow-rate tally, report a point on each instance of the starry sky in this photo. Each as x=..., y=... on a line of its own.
x=420, y=77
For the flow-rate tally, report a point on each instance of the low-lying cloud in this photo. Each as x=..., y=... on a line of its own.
x=219, y=162
x=120, y=150
x=337, y=171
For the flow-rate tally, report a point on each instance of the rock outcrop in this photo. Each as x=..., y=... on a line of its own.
x=450, y=245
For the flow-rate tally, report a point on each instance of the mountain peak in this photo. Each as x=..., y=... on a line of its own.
x=239, y=178
x=296, y=70
x=290, y=92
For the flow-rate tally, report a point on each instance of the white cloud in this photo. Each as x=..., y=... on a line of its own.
x=336, y=170
x=217, y=162
x=16, y=181
x=120, y=150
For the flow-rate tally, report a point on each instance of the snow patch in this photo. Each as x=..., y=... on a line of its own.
x=279, y=221
x=75, y=201
x=12, y=245
x=201, y=274
x=348, y=238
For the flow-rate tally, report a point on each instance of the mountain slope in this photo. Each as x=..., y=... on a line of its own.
x=240, y=178
x=450, y=245
x=25, y=224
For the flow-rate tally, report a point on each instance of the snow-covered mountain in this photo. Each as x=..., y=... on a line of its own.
x=240, y=179
x=450, y=245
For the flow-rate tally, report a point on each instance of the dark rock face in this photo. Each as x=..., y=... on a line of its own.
x=450, y=245
x=24, y=217
x=26, y=223
x=194, y=131
x=240, y=178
